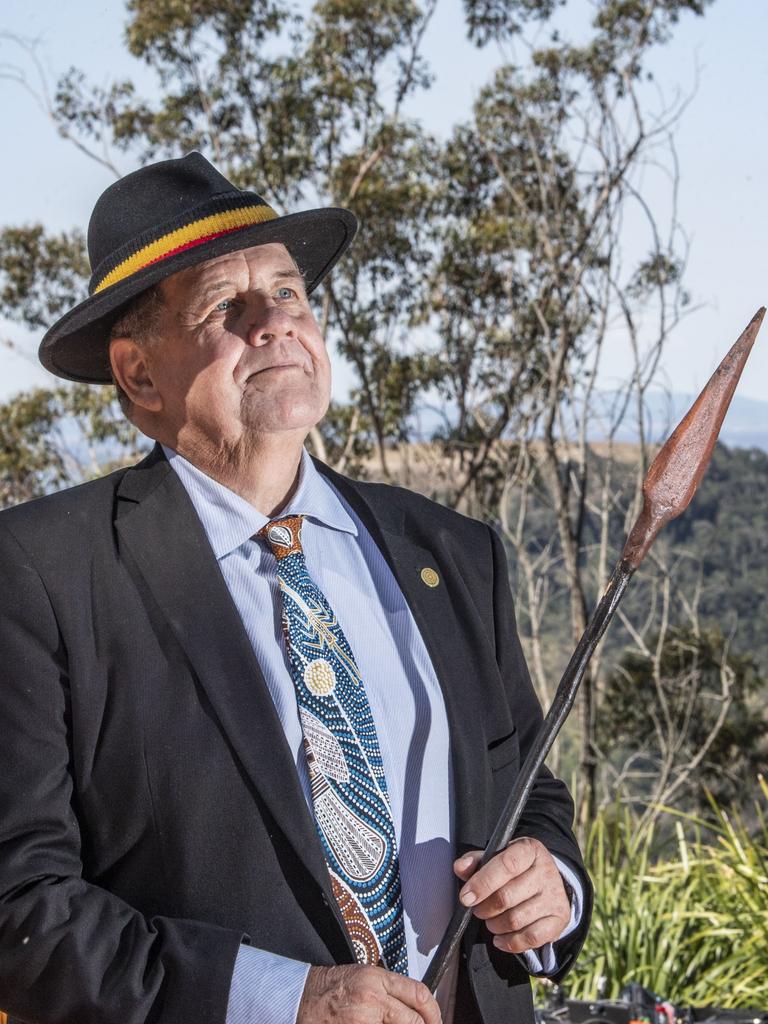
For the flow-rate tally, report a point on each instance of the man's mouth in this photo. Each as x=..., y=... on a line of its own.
x=276, y=366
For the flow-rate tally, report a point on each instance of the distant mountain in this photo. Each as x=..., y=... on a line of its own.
x=745, y=426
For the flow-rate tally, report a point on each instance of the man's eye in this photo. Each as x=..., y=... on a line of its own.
x=224, y=305
x=285, y=293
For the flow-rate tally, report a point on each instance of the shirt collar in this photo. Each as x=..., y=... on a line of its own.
x=229, y=520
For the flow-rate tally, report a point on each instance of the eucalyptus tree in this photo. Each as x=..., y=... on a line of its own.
x=534, y=274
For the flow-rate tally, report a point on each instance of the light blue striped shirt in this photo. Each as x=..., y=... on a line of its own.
x=403, y=692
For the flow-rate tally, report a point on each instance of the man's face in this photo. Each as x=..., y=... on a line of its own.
x=240, y=354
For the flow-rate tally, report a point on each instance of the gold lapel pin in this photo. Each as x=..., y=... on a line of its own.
x=430, y=577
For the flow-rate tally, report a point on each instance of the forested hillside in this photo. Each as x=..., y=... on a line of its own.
x=682, y=683
x=726, y=532
x=719, y=546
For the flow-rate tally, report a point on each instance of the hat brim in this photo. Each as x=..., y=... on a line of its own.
x=77, y=346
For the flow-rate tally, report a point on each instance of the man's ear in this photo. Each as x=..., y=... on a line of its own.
x=132, y=374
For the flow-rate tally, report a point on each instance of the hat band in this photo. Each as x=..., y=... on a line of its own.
x=198, y=231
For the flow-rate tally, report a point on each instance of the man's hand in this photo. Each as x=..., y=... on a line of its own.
x=365, y=995
x=519, y=894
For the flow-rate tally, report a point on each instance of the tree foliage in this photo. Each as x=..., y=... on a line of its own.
x=684, y=716
x=41, y=275
x=56, y=437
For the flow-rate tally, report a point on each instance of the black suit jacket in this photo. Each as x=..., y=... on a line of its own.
x=151, y=817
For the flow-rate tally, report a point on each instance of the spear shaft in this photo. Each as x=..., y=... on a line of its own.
x=667, y=490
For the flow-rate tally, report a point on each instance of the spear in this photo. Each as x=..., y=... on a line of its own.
x=667, y=491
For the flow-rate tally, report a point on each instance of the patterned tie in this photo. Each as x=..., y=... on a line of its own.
x=346, y=773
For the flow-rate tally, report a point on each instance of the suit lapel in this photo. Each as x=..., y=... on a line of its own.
x=408, y=552
x=163, y=535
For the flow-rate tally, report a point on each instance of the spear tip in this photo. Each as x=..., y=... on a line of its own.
x=680, y=464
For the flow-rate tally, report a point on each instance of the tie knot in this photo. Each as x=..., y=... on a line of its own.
x=283, y=535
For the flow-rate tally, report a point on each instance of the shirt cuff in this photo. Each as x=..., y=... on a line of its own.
x=544, y=959
x=266, y=988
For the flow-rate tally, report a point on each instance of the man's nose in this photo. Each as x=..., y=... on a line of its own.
x=268, y=321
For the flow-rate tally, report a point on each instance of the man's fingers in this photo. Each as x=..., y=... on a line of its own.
x=352, y=994
x=413, y=996
x=526, y=914
x=519, y=894
x=396, y=1012
x=508, y=864
x=537, y=933
x=466, y=865
x=514, y=894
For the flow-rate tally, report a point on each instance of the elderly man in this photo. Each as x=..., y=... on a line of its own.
x=256, y=717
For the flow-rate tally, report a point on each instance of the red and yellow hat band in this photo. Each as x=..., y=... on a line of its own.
x=195, y=233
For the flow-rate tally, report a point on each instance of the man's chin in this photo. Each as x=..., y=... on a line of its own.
x=290, y=415
x=260, y=436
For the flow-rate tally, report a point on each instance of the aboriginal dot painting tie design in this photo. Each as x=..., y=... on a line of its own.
x=349, y=791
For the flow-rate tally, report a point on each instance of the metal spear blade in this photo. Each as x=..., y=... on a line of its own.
x=677, y=470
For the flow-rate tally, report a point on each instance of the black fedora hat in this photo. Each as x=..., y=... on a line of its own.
x=164, y=218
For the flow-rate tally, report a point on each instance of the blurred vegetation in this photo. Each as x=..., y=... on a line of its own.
x=57, y=437
x=689, y=921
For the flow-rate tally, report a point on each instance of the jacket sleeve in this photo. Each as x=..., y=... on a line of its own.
x=69, y=950
x=548, y=813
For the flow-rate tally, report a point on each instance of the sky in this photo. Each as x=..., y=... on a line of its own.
x=721, y=142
